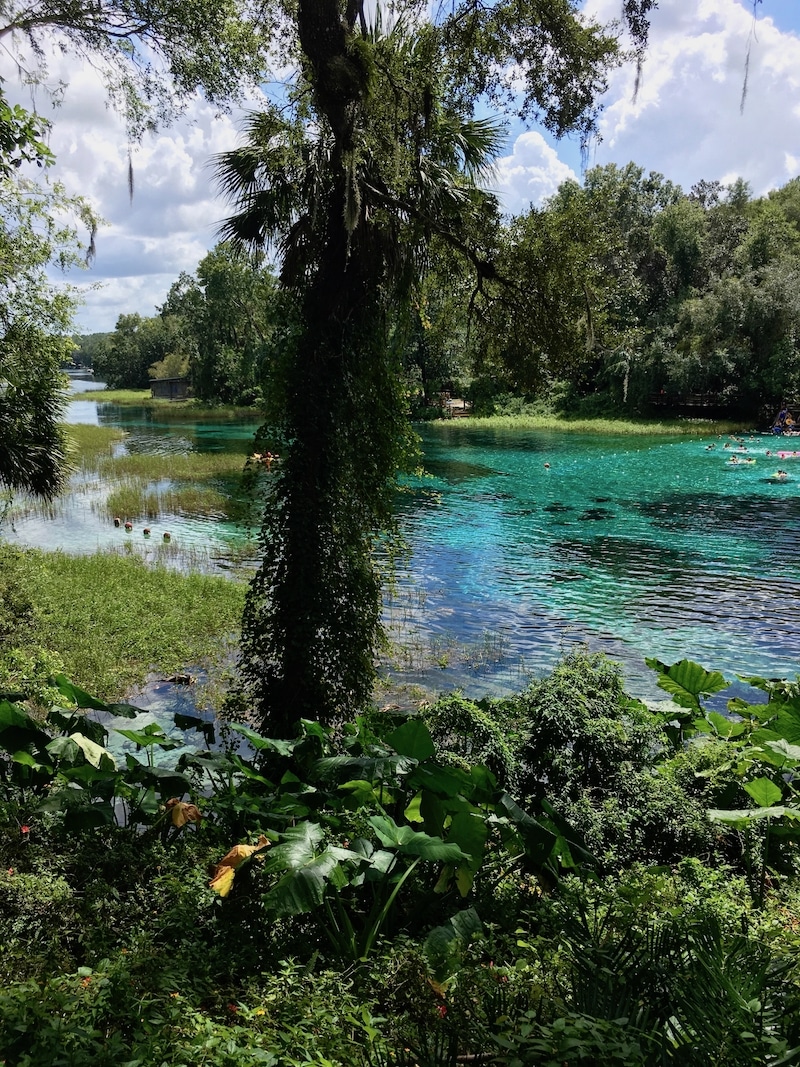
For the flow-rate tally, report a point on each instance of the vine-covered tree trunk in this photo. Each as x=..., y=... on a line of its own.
x=313, y=615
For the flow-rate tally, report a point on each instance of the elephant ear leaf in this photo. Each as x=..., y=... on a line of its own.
x=76, y=695
x=764, y=792
x=686, y=682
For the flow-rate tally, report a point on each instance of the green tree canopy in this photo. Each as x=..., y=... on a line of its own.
x=153, y=54
x=35, y=320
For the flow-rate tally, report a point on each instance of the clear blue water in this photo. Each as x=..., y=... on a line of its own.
x=636, y=546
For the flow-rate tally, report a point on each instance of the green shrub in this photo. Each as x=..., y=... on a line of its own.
x=583, y=730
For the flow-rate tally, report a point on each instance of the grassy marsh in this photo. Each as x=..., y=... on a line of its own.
x=114, y=619
x=151, y=467
x=565, y=424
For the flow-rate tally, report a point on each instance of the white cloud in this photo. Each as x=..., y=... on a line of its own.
x=686, y=121
x=171, y=221
x=530, y=174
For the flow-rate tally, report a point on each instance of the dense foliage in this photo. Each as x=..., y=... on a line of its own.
x=625, y=293
x=645, y=295
x=40, y=228
x=220, y=328
x=372, y=896
x=153, y=54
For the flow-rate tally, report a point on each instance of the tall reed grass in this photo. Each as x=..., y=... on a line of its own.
x=565, y=424
x=174, y=410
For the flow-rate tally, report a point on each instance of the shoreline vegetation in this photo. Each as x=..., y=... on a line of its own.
x=191, y=409
x=170, y=409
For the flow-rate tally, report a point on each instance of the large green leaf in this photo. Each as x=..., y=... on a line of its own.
x=74, y=747
x=76, y=695
x=194, y=722
x=764, y=792
x=536, y=840
x=25, y=759
x=686, y=681
x=265, y=744
x=165, y=780
x=780, y=753
x=445, y=945
x=372, y=768
x=13, y=715
x=364, y=794
x=308, y=873
x=152, y=734
x=444, y=781
x=742, y=817
x=124, y=711
x=413, y=739
x=18, y=731
x=297, y=848
x=470, y=831
x=89, y=817
x=412, y=842
x=70, y=722
x=723, y=726
x=299, y=892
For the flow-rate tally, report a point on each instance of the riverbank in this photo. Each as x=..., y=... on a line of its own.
x=193, y=409
x=177, y=410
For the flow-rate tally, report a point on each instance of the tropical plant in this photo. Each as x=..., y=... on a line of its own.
x=764, y=757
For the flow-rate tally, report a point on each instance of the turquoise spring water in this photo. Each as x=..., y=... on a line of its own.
x=635, y=546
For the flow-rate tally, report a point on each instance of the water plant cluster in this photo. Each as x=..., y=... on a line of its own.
x=562, y=876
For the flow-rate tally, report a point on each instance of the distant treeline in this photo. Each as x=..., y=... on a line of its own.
x=623, y=293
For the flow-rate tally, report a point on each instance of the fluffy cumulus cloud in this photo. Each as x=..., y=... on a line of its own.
x=686, y=121
x=144, y=241
x=530, y=174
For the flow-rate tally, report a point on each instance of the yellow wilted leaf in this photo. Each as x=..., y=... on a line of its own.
x=183, y=812
x=240, y=852
x=224, y=871
x=223, y=880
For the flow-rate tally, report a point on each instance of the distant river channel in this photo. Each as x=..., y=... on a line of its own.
x=524, y=544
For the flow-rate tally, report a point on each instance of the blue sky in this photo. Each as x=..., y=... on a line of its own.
x=685, y=123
